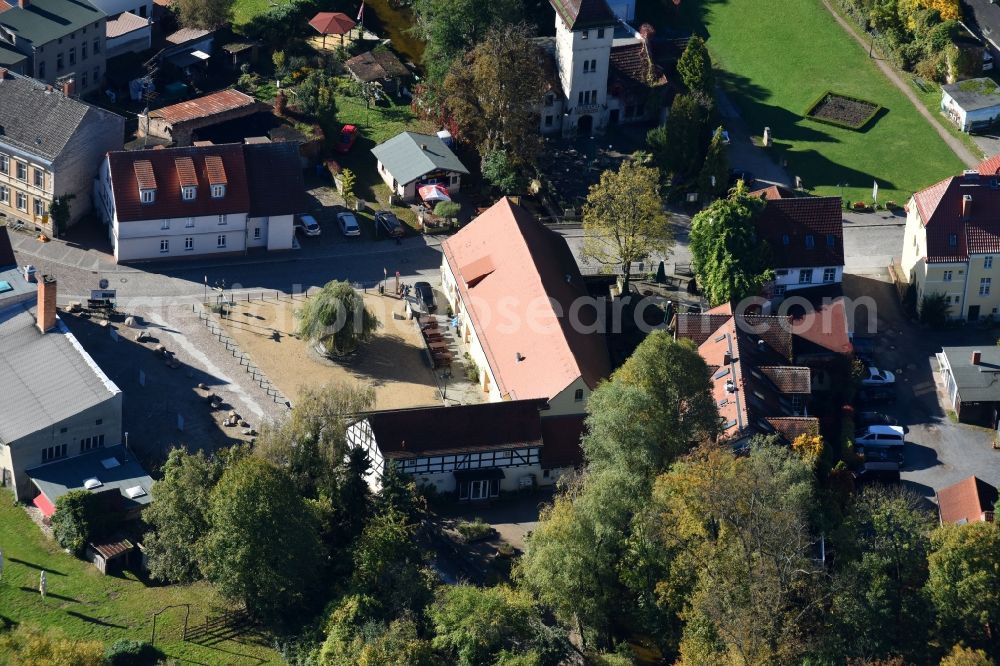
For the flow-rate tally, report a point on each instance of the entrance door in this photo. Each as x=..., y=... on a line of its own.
x=585, y=124
x=479, y=489
x=973, y=313
x=613, y=117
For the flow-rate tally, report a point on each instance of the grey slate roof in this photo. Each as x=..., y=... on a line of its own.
x=976, y=383
x=45, y=20
x=406, y=160
x=974, y=94
x=38, y=121
x=46, y=378
x=58, y=478
x=274, y=179
x=11, y=58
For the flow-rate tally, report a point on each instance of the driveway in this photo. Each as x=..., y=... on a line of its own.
x=743, y=154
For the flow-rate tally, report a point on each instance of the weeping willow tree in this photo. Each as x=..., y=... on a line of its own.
x=336, y=319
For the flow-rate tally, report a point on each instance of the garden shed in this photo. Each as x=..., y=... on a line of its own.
x=973, y=105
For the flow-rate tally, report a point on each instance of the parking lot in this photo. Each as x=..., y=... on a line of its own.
x=938, y=450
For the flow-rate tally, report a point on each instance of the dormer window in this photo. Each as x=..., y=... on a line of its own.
x=218, y=191
x=147, y=196
x=810, y=242
x=188, y=193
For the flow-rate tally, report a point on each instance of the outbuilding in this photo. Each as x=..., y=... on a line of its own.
x=970, y=376
x=410, y=160
x=973, y=105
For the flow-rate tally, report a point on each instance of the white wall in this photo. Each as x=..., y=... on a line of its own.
x=136, y=41
x=565, y=401
x=280, y=232
x=790, y=280
x=141, y=239
x=467, y=331
x=115, y=7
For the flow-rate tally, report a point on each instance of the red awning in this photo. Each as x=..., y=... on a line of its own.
x=434, y=193
x=43, y=503
x=332, y=23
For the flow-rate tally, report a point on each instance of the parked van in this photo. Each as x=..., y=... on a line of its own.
x=880, y=436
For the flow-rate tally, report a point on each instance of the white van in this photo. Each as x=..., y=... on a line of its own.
x=880, y=436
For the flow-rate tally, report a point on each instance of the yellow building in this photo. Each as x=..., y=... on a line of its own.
x=952, y=240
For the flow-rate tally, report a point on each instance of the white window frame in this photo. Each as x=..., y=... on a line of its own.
x=18, y=168
x=988, y=262
x=946, y=276
x=223, y=219
x=829, y=275
x=164, y=245
x=147, y=196
x=39, y=207
x=5, y=164
x=21, y=201
x=218, y=191
x=4, y=194
x=165, y=224
x=189, y=192
x=984, y=286
x=805, y=273
x=189, y=243
x=256, y=233
x=220, y=241
x=39, y=178
x=189, y=223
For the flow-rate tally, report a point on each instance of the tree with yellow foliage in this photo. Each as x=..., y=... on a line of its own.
x=809, y=445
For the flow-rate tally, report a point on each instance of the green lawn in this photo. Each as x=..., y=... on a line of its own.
x=245, y=11
x=84, y=604
x=778, y=58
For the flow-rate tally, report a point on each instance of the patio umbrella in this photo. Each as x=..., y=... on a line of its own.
x=434, y=193
x=332, y=23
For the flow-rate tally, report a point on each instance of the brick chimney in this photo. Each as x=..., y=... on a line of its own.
x=23, y=4
x=69, y=88
x=3, y=73
x=976, y=357
x=46, y=303
x=966, y=206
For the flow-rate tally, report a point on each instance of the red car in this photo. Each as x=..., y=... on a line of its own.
x=348, y=135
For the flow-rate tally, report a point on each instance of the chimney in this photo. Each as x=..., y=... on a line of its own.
x=423, y=146
x=727, y=359
x=976, y=357
x=46, y=303
x=3, y=73
x=69, y=88
x=23, y=4
x=966, y=206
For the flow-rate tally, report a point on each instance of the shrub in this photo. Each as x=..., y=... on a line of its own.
x=860, y=206
x=447, y=209
x=934, y=310
x=128, y=652
x=76, y=520
x=475, y=530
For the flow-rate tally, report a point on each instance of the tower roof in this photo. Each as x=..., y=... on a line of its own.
x=583, y=14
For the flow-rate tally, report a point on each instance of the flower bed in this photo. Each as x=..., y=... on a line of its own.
x=843, y=111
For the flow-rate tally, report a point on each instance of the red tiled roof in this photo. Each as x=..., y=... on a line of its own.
x=788, y=379
x=409, y=432
x=580, y=14
x=966, y=501
x=186, y=176
x=631, y=65
x=332, y=23
x=791, y=427
x=775, y=192
x=950, y=236
x=990, y=167
x=825, y=326
x=216, y=170
x=110, y=549
x=167, y=175
x=144, y=175
x=209, y=105
x=699, y=327
x=520, y=311
x=797, y=220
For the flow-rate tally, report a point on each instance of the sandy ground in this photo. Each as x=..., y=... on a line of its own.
x=393, y=362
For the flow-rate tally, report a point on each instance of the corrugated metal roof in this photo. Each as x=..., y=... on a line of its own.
x=200, y=107
x=46, y=378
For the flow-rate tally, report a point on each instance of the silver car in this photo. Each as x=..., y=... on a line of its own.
x=348, y=224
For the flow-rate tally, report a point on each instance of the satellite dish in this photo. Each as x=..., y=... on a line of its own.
x=103, y=284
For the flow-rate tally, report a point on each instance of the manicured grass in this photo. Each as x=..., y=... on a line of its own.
x=84, y=604
x=245, y=11
x=777, y=60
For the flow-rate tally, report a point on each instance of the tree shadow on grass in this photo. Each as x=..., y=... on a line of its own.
x=95, y=620
x=34, y=590
x=817, y=170
x=35, y=566
x=749, y=98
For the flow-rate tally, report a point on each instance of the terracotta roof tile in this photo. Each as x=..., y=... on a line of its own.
x=200, y=107
x=533, y=350
x=632, y=66
x=966, y=501
x=186, y=176
x=990, y=167
x=788, y=379
x=216, y=170
x=377, y=65
x=803, y=231
x=791, y=427
x=144, y=175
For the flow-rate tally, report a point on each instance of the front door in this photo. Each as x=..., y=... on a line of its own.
x=973, y=313
x=585, y=124
x=613, y=117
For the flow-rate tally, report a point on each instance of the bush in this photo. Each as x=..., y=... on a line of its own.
x=475, y=530
x=447, y=209
x=860, y=206
x=128, y=652
x=934, y=310
x=76, y=520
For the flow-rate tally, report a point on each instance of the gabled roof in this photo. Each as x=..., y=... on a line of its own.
x=788, y=379
x=532, y=351
x=966, y=501
x=377, y=65
x=200, y=107
x=803, y=231
x=950, y=236
x=43, y=21
x=40, y=121
x=185, y=35
x=170, y=168
x=46, y=377
x=125, y=23
x=773, y=192
x=583, y=14
x=632, y=66
x=408, y=156
x=411, y=432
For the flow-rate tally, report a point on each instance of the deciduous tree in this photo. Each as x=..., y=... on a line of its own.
x=263, y=547
x=452, y=27
x=495, y=91
x=178, y=515
x=207, y=14
x=336, y=319
x=964, y=584
x=728, y=259
x=679, y=146
x=624, y=220
x=388, y=567
x=714, y=178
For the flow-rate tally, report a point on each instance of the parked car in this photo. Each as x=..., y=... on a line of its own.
x=876, y=395
x=880, y=476
x=878, y=377
x=387, y=223
x=864, y=419
x=882, y=458
x=348, y=135
x=348, y=224
x=308, y=225
x=881, y=436
x=425, y=295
